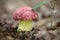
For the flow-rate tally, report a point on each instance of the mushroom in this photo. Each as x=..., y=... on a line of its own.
x=25, y=15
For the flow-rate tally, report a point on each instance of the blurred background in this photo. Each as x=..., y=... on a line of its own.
x=46, y=28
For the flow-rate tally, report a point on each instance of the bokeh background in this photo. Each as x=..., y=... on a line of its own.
x=47, y=27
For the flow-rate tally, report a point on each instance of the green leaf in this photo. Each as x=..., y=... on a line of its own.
x=39, y=4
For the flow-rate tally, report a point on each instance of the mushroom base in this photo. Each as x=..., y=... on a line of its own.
x=25, y=25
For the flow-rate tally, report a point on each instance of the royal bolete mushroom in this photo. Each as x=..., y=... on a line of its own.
x=25, y=15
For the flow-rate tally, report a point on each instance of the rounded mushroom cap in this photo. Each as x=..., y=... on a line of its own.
x=24, y=13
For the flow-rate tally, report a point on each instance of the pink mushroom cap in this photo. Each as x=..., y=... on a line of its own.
x=25, y=13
